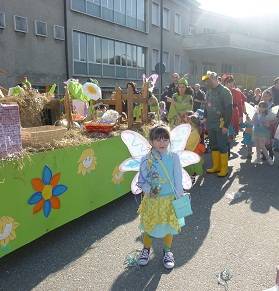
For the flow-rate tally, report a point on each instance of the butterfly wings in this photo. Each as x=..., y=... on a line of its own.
x=138, y=147
x=151, y=80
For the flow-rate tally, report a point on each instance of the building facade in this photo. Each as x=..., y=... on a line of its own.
x=116, y=41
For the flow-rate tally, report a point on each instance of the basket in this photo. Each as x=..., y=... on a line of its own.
x=42, y=134
x=99, y=127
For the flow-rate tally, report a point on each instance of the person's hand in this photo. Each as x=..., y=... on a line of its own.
x=169, y=99
x=224, y=130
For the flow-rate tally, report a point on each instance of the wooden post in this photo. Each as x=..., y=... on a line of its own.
x=68, y=109
x=118, y=100
x=130, y=105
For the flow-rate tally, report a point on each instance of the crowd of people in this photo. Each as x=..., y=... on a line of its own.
x=220, y=112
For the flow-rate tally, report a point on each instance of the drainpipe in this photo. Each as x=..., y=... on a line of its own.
x=66, y=39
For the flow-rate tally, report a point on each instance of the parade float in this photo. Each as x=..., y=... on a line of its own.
x=52, y=174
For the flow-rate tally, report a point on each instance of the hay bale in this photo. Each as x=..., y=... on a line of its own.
x=31, y=105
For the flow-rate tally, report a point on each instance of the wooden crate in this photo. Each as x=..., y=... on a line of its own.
x=42, y=134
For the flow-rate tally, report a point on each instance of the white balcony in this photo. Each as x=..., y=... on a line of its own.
x=232, y=42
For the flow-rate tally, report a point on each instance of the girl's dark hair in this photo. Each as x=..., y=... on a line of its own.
x=133, y=85
x=159, y=132
x=188, y=91
x=264, y=105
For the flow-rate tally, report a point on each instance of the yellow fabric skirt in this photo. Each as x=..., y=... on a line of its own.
x=156, y=212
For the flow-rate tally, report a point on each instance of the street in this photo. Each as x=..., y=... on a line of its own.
x=234, y=227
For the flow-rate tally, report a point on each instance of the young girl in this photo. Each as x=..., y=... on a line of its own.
x=262, y=121
x=247, y=136
x=160, y=176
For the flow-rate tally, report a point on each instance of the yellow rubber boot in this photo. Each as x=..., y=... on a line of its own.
x=215, y=155
x=224, y=165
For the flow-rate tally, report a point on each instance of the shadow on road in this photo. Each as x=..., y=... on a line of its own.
x=205, y=194
x=259, y=187
x=27, y=267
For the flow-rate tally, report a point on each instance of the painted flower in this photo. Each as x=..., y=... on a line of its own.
x=7, y=230
x=92, y=91
x=47, y=192
x=87, y=162
x=117, y=176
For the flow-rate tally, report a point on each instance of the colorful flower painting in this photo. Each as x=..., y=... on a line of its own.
x=7, y=230
x=47, y=192
x=87, y=162
x=117, y=176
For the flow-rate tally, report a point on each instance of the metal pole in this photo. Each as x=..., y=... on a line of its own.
x=161, y=49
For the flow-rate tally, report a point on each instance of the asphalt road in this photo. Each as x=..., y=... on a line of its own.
x=234, y=226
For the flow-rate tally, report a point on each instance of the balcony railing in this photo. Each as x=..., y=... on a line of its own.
x=231, y=40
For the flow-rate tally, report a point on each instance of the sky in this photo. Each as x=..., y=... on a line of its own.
x=241, y=8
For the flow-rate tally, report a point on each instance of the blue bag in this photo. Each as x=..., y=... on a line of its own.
x=182, y=206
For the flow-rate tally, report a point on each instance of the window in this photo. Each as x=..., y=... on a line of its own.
x=193, y=68
x=208, y=67
x=177, y=23
x=166, y=19
x=79, y=5
x=130, y=13
x=119, y=11
x=227, y=68
x=191, y=29
x=155, y=58
x=20, y=23
x=80, y=53
x=93, y=7
x=107, y=9
x=40, y=28
x=155, y=14
x=59, y=32
x=140, y=15
x=97, y=56
x=131, y=9
x=2, y=20
x=120, y=53
x=177, y=63
x=166, y=61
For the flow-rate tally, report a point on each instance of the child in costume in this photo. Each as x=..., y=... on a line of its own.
x=262, y=121
x=247, y=136
x=181, y=102
x=194, y=144
x=159, y=177
x=163, y=111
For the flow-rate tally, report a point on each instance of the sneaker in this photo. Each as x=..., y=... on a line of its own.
x=270, y=161
x=144, y=257
x=168, y=260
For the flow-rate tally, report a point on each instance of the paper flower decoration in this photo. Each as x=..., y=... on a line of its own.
x=117, y=176
x=87, y=162
x=47, y=192
x=92, y=91
x=15, y=91
x=75, y=90
x=138, y=147
x=7, y=230
x=110, y=116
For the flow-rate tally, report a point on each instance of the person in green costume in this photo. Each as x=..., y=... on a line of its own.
x=182, y=102
x=218, y=114
x=153, y=105
x=26, y=84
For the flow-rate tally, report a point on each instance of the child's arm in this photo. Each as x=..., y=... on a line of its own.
x=143, y=176
x=177, y=174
